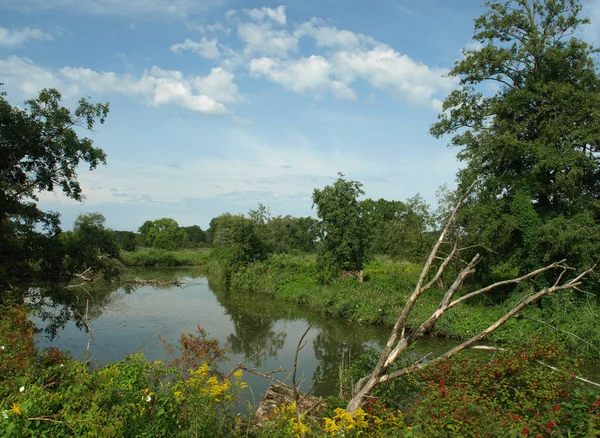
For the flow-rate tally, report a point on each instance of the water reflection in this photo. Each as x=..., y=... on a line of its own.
x=260, y=331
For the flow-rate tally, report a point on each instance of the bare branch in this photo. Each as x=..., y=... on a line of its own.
x=506, y=282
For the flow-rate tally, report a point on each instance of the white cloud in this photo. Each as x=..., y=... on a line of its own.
x=17, y=38
x=28, y=77
x=277, y=15
x=388, y=70
x=329, y=36
x=263, y=39
x=207, y=48
x=125, y=8
x=219, y=85
x=155, y=87
x=305, y=75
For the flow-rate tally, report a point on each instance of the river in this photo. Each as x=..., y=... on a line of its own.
x=258, y=330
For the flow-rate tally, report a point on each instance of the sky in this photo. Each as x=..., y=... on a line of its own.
x=217, y=105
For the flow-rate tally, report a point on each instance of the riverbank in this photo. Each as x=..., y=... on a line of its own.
x=149, y=257
x=564, y=318
x=569, y=321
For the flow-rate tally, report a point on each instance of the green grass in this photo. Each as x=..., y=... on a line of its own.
x=157, y=257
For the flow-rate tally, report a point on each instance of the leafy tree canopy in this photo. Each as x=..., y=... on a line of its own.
x=533, y=145
x=345, y=228
x=40, y=150
x=163, y=233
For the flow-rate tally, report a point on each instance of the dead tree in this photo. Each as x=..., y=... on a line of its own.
x=399, y=339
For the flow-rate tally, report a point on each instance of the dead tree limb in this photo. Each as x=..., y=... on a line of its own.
x=399, y=340
x=88, y=326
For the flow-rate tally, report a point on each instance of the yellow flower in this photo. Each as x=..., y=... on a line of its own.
x=16, y=409
x=238, y=374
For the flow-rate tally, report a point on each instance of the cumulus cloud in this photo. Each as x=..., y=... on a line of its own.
x=388, y=70
x=271, y=44
x=17, y=38
x=330, y=36
x=261, y=38
x=207, y=48
x=305, y=75
x=219, y=85
x=155, y=87
x=277, y=15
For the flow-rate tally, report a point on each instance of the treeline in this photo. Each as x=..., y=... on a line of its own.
x=399, y=229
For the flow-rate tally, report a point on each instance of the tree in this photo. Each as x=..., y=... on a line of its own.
x=194, y=236
x=534, y=144
x=163, y=233
x=400, y=229
x=40, y=150
x=127, y=240
x=344, y=226
x=91, y=248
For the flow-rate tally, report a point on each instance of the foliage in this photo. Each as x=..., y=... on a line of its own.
x=40, y=151
x=157, y=257
x=162, y=233
x=128, y=240
x=194, y=236
x=514, y=394
x=533, y=144
x=236, y=244
x=48, y=394
x=345, y=228
x=400, y=229
x=91, y=248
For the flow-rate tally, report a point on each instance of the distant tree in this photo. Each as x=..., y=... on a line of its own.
x=162, y=233
x=40, y=150
x=91, y=248
x=127, y=240
x=261, y=215
x=400, y=229
x=285, y=234
x=345, y=228
x=194, y=235
x=534, y=144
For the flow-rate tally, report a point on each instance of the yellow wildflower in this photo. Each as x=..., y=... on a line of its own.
x=238, y=374
x=16, y=409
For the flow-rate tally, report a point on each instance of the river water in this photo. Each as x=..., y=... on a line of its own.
x=259, y=331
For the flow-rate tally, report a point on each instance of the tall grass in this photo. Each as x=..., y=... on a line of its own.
x=157, y=257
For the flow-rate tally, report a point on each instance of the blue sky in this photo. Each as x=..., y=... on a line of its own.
x=217, y=105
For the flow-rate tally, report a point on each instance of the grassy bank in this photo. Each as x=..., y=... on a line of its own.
x=156, y=257
x=388, y=284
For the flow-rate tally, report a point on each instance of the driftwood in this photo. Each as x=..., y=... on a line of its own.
x=143, y=282
x=399, y=340
x=278, y=396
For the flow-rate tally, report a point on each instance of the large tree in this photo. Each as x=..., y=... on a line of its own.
x=346, y=231
x=40, y=150
x=533, y=144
